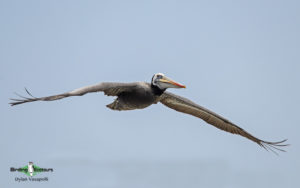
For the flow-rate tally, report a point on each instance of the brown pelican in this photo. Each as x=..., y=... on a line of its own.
x=139, y=95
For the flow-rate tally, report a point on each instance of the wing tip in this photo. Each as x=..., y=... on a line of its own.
x=22, y=98
x=273, y=146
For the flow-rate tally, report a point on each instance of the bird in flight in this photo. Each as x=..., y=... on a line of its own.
x=139, y=95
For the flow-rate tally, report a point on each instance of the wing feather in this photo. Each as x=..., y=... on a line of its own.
x=184, y=105
x=109, y=88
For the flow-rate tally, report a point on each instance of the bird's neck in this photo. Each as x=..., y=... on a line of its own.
x=156, y=90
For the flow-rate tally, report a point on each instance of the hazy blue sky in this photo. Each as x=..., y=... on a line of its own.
x=239, y=59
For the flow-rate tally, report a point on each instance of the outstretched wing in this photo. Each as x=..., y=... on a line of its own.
x=109, y=88
x=184, y=105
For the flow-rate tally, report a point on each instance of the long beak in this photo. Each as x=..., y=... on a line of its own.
x=170, y=81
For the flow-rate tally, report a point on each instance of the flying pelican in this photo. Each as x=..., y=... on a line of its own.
x=139, y=95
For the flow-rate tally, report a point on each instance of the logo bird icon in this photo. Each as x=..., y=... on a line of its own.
x=30, y=168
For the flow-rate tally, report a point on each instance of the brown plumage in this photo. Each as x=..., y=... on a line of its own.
x=184, y=105
x=139, y=95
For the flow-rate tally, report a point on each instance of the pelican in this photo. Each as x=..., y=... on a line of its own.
x=139, y=95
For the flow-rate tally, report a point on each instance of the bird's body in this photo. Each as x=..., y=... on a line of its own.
x=139, y=95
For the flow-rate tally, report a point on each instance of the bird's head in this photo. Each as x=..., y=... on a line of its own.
x=163, y=82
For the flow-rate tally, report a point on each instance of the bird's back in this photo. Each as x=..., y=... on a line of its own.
x=138, y=97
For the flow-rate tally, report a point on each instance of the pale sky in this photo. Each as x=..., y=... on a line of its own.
x=238, y=59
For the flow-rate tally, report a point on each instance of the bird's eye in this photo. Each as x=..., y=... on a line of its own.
x=159, y=76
